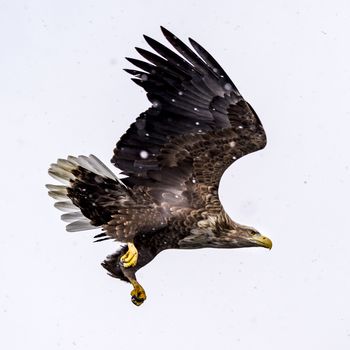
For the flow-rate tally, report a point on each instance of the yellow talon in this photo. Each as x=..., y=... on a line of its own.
x=138, y=294
x=129, y=259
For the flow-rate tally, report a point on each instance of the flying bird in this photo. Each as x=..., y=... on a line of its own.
x=172, y=158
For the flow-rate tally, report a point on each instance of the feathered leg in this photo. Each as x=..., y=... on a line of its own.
x=146, y=251
x=138, y=294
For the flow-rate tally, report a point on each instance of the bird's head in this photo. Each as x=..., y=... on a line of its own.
x=222, y=232
x=244, y=236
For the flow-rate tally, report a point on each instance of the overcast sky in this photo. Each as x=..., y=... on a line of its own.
x=63, y=92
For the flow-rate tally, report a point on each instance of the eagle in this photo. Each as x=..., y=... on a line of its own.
x=172, y=159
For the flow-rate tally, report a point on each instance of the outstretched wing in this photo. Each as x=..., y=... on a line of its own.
x=197, y=126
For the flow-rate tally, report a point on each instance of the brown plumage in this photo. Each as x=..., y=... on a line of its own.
x=173, y=157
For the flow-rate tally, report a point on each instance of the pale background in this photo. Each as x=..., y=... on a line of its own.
x=63, y=92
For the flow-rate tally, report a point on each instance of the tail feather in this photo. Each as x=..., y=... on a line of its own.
x=90, y=192
x=72, y=216
x=65, y=206
x=80, y=225
x=57, y=192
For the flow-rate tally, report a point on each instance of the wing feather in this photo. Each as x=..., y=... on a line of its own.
x=198, y=122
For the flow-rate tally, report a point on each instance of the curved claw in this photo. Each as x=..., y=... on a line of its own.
x=129, y=259
x=138, y=294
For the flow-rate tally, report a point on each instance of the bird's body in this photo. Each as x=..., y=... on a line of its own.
x=173, y=157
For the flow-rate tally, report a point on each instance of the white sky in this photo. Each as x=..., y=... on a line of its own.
x=63, y=92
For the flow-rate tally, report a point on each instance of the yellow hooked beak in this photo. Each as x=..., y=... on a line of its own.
x=262, y=241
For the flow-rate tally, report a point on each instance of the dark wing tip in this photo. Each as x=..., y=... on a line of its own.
x=148, y=39
x=134, y=61
x=199, y=48
x=129, y=59
x=193, y=42
x=132, y=71
x=166, y=32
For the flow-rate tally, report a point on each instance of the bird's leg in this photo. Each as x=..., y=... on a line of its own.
x=129, y=259
x=139, y=256
x=138, y=294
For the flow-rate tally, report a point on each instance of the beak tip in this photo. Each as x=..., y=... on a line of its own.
x=264, y=242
